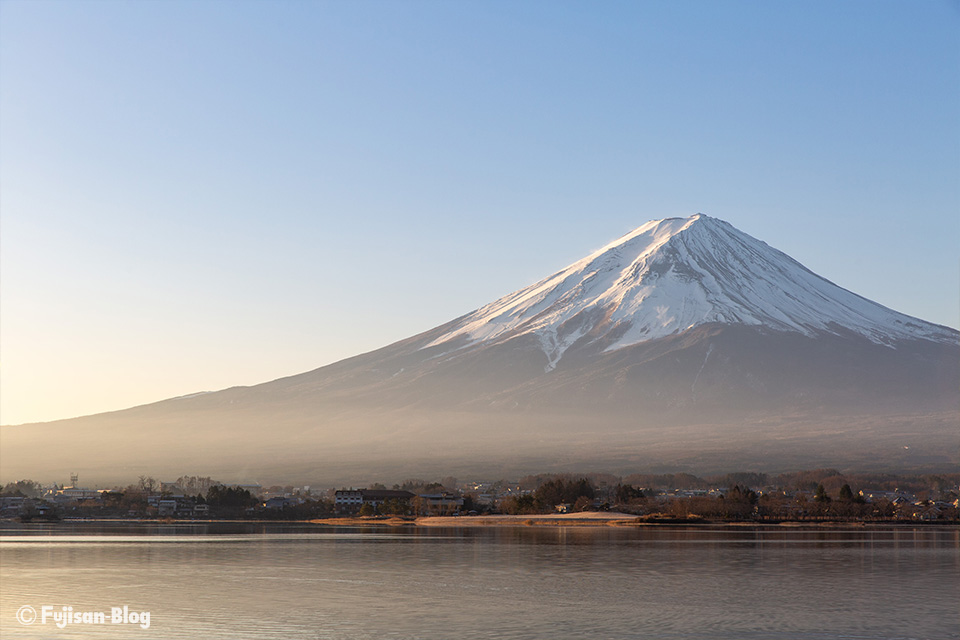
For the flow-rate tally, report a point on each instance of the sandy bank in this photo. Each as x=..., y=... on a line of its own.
x=591, y=519
x=583, y=519
x=361, y=521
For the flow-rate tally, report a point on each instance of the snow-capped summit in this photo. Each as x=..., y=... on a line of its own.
x=672, y=275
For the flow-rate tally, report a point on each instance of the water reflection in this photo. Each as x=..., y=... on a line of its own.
x=300, y=581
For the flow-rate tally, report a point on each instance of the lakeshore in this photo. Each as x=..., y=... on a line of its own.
x=607, y=519
x=590, y=519
x=582, y=519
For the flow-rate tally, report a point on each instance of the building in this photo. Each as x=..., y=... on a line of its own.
x=72, y=494
x=10, y=506
x=280, y=502
x=167, y=507
x=439, y=504
x=351, y=500
x=348, y=500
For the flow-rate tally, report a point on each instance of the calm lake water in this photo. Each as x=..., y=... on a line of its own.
x=305, y=582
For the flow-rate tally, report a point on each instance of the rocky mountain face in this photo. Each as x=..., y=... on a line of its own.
x=684, y=343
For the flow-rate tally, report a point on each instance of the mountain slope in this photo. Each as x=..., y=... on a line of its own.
x=685, y=342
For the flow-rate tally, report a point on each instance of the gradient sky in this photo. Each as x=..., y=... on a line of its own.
x=197, y=195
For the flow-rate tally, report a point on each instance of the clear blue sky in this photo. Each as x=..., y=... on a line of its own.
x=196, y=195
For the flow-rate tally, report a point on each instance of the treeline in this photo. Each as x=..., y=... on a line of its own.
x=817, y=494
x=661, y=481
x=223, y=501
x=807, y=480
x=22, y=489
x=843, y=505
x=579, y=494
x=140, y=499
x=419, y=485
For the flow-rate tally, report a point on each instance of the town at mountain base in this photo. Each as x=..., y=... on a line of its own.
x=685, y=344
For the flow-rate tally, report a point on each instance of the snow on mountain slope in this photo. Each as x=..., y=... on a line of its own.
x=671, y=275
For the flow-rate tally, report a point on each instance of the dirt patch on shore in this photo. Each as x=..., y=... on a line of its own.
x=365, y=521
x=584, y=519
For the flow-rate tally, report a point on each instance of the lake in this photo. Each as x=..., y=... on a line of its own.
x=266, y=581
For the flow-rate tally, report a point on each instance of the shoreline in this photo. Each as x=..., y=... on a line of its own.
x=585, y=519
x=607, y=519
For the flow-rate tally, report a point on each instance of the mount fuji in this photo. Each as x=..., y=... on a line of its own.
x=683, y=344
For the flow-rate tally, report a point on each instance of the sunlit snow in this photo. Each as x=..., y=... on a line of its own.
x=670, y=275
